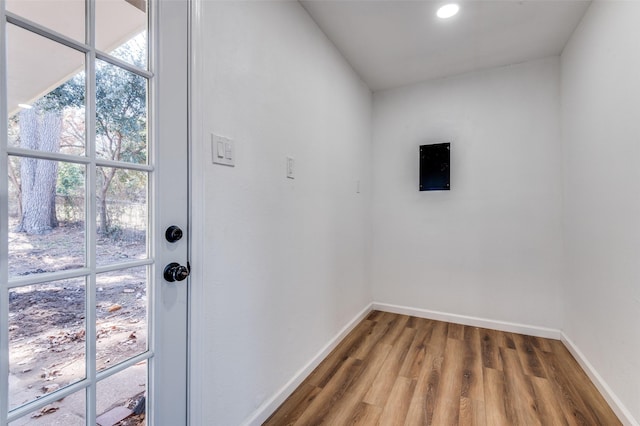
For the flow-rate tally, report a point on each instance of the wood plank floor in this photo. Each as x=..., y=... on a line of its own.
x=400, y=370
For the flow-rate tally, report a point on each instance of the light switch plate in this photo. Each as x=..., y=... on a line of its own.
x=223, y=150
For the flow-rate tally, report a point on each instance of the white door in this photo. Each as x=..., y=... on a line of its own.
x=93, y=173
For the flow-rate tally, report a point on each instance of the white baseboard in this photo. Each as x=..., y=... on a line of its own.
x=266, y=409
x=614, y=402
x=510, y=327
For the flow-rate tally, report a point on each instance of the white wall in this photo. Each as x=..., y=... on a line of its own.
x=601, y=134
x=491, y=247
x=283, y=264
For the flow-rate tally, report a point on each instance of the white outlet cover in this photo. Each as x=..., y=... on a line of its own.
x=291, y=163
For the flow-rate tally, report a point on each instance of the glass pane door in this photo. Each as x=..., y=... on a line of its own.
x=77, y=209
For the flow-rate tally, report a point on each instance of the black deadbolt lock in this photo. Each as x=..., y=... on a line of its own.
x=173, y=234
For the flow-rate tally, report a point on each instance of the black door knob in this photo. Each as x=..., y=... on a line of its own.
x=176, y=272
x=173, y=234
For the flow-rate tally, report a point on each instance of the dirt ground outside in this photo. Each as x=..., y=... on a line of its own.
x=47, y=323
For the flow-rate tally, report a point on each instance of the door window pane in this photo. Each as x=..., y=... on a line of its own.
x=122, y=215
x=46, y=338
x=46, y=98
x=121, y=316
x=131, y=16
x=63, y=16
x=46, y=216
x=69, y=411
x=123, y=396
x=46, y=94
x=121, y=114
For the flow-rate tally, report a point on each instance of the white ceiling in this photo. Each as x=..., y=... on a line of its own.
x=394, y=42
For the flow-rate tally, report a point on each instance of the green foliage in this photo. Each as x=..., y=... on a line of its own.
x=70, y=94
x=70, y=192
x=70, y=180
x=121, y=109
x=121, y=104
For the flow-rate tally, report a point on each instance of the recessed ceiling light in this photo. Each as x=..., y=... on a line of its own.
x=25, y=106
x=448, y=10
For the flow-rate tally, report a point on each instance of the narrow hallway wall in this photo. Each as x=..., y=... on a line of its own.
x=285, y=261
x=601, y=135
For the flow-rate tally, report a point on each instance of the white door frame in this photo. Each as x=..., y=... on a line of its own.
x=171, y=383
x=198, y=159
x=168, y=378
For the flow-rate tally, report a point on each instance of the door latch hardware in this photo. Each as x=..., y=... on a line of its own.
x=176, y=272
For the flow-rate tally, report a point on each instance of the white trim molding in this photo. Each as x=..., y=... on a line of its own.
x=197, y=218
x=271, y=405
x=510, y=327
x=624, y=415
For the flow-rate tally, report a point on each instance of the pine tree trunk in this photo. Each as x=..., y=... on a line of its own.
x=39, y=132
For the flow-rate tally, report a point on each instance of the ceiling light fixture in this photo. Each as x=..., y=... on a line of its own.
x=448, y=10
x=25, y=106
